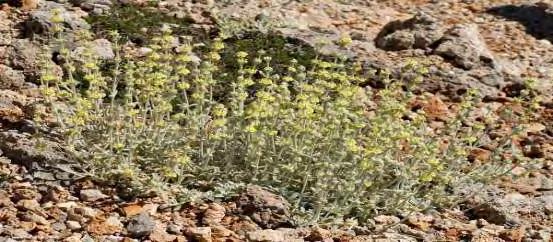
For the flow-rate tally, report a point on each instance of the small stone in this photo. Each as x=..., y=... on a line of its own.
x=32, y=217
x=27, y=226
x=385, y=219
x=73, y=225
x=221, y=232
x=28, y=204
x=144, y=51
x=319, y=234
x=174, y=229
x=87, y=212
x=132, y=210
x=546, y=184
x=160, y=234
x=109, y=226
x=91, y=195
x=202, y=234
x=214, y=214
x=66, y=205
x=267, y=235
x=76, y=237
x=57, y=226
x=141, y=225
x=29, y=4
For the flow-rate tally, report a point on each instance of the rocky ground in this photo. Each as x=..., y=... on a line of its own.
x=493, y=45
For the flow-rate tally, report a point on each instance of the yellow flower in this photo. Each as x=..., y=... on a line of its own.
x=251, y=128
x=241, y=54
x=345, y=41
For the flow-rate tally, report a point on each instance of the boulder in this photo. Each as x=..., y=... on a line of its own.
x=419, y=32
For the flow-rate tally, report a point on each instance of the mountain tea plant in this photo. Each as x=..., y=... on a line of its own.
x=174, y=121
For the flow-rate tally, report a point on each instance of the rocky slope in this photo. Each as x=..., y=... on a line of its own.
x=493, y=45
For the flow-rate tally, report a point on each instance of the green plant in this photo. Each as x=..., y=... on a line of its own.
x=139, y=24
x=168, y=123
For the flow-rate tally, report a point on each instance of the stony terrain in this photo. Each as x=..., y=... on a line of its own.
x=493, y=45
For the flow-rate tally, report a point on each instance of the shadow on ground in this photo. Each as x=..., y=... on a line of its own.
x=538, y=19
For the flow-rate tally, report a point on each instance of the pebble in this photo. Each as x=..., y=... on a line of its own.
x=91, y=195
x=73, y=225
x=141, y=225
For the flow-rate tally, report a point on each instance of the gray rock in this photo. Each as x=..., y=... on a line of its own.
x=40, y=20
x=546, y=184
x=10, y=78
x=22, y=149
x=464, y=47
x=91, y=195
x=94, y=6
x=141, y=225
x=101, y=48
x=57, y=226
x=24, y=54
x=419, y=32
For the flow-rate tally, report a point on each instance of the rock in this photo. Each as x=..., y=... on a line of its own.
x=201, y=234
x=465, y=48
x=385, y=219
x=504, y=210
x=10, y=78
x=76, y=237
x=265, y=208
x=29, y=4
x=419, y=32
x=86, y=212
x=267, y=235
x=40, y=20
x=100, y=48
x=28, y=205
x=174, y=229
x=479, y=154
x=33, y=217
x=108, y=226
x=319, y=234
x=547, y=202
x=10, y=112
x=91, y=195
x=94, y=6
x=141, y=225
x=73, y=225
x=58, y=226
x=214, y=214
x=25, y=55
x=132, y=210
x=159, y=234
x=219, y=232
x=546, y=184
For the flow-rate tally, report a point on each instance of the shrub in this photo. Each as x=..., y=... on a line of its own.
x=172, y=121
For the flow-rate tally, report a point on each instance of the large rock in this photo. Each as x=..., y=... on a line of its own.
x=40, y=20
x=465, y=48
x=101, y=48
x=419, y=32
x=23, y=149
x=25, y=54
